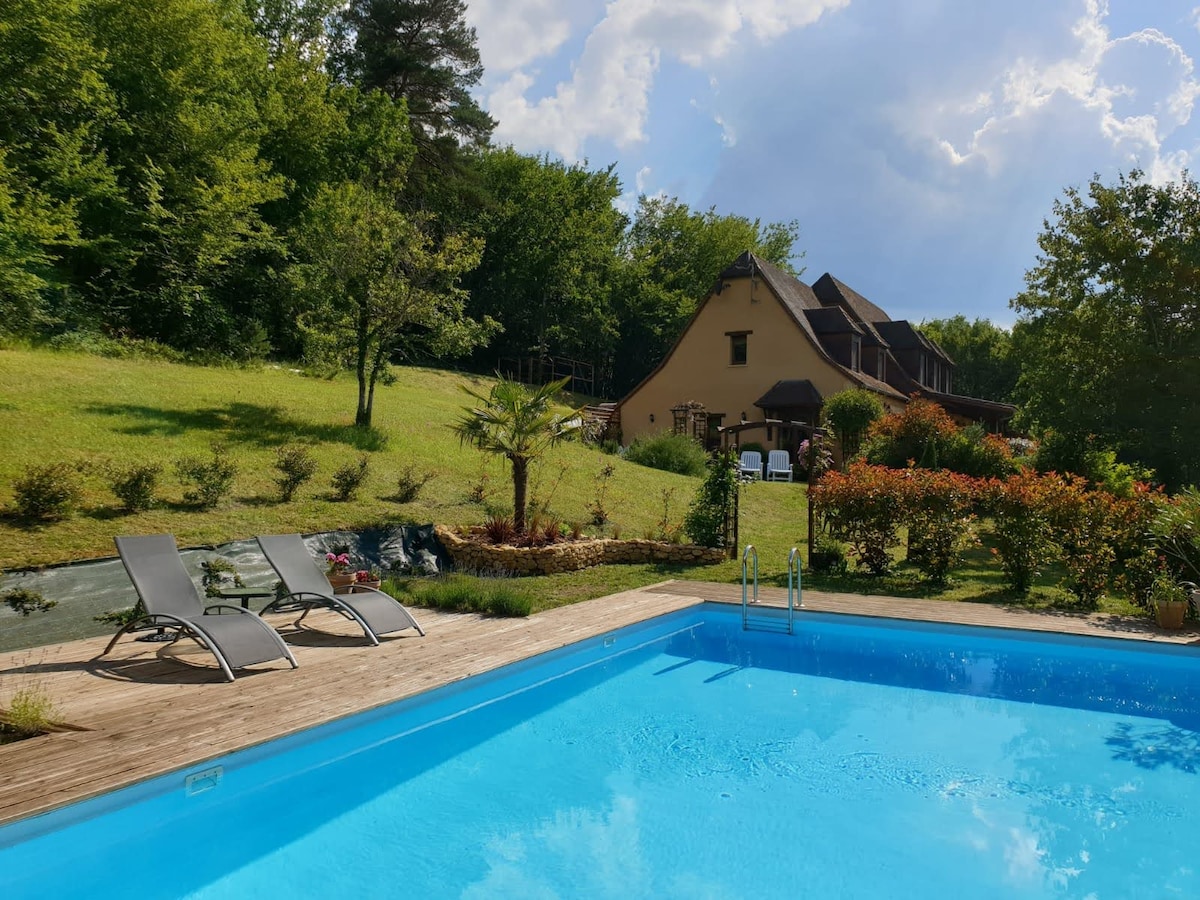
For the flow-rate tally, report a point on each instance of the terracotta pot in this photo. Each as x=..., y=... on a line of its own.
x=341, y=579
x=368, y=584
x=1170, y=613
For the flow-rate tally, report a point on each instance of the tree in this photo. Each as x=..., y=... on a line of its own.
x=371, y=281
x=54, y=108
x=424, y=52
x=850, y=414
x=551, y=235
x=673, y=257
x=519, y=424
x=982, y=352
x=1109, y=340
x=188, y=77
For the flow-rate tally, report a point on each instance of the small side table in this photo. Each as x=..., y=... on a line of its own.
x=245, y=594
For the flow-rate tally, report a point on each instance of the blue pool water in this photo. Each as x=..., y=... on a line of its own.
x=686, y=758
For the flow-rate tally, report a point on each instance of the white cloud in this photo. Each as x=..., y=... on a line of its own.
x=608, y=93
x=514, y=33
x=1135, y=91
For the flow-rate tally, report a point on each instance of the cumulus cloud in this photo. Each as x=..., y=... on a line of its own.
x=514, y=33
x=1135, y=90
x=608, y=93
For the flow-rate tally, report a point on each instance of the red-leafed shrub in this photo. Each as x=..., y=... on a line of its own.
x=938, y=509
x=863, y=506
x=920, y=435
x=1022, y=510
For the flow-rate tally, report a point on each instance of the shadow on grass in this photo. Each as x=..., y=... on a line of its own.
x=247, y=423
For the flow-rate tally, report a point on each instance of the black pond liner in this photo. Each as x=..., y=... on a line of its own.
x=85, y=589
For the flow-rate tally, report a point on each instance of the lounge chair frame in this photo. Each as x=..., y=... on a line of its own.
x=276, y=547
x=191, y=626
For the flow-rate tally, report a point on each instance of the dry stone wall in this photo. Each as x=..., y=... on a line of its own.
x=473, y=555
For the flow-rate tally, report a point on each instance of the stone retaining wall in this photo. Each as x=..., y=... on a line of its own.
x=568, y=557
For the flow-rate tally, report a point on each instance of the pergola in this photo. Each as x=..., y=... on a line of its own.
x=735, y=432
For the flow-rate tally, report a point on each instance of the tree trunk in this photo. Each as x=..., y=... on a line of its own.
x=520, y=473
x=362, y=417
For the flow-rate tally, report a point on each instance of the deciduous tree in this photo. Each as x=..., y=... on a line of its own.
x=371, y=279
x=1109, y=341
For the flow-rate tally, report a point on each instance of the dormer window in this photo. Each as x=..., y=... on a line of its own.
x=855, y=353
x=880, y=368
x=738, y=347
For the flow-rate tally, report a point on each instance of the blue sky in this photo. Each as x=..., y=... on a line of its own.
x=920, y=144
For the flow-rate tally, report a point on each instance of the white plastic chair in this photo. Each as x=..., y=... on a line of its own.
x=751, y=464
x=779, y=466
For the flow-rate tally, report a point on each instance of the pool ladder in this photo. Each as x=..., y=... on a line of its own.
x=770, y=618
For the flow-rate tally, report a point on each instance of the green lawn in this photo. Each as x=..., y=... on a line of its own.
x=85, y=409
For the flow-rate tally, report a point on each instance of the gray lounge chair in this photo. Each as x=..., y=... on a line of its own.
x=237, y=640
x=308, y=589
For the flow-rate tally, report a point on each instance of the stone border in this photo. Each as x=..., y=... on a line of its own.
x=569, y=556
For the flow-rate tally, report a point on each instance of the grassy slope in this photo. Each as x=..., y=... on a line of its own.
x=76, y=408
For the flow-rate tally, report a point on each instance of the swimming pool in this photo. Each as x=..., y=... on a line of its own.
x=686, y=758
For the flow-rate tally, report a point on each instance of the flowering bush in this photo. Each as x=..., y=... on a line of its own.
x=814, y=457
x=337, y=563
x=863, y=506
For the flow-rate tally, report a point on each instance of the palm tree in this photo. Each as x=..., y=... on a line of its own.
x=519, y=424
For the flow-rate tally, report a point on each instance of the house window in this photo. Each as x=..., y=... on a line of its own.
x=880, y=370
x=738, y=348
x=856, y=353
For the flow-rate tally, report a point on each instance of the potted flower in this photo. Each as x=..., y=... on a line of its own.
x=368, y=578
x=337, y=569
x=1169, y=601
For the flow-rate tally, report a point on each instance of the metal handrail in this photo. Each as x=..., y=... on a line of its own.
x=746, y=554
x=794, y=566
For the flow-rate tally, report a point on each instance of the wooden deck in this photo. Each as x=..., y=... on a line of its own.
x=149, y=709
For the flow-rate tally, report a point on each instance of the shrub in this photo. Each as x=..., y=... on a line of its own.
x=464, y=593
x=47, y=492
x=1024, y=526
x=669, y=452
x=938, y=511
x=1082, y=455
x=500, y=529
x=1174, y=532
x=216, y=574
x=134, y=485
x=349, y=478
x=922, y=435
x=24, y=601
x=31, y=711
x=709, y=518
x=667, y=529
x=409, y=484
x=863, y=506
x=295, y=465
x=850, y=415
x=972, y=451
x=206, y=482
x=597, y=508
x=1085, y=528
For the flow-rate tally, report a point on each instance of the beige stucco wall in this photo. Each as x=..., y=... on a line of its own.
x=699, y=368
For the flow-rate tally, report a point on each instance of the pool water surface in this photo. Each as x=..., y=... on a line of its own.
x=687, y=758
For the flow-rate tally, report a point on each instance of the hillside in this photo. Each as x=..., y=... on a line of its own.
x=90, y=410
